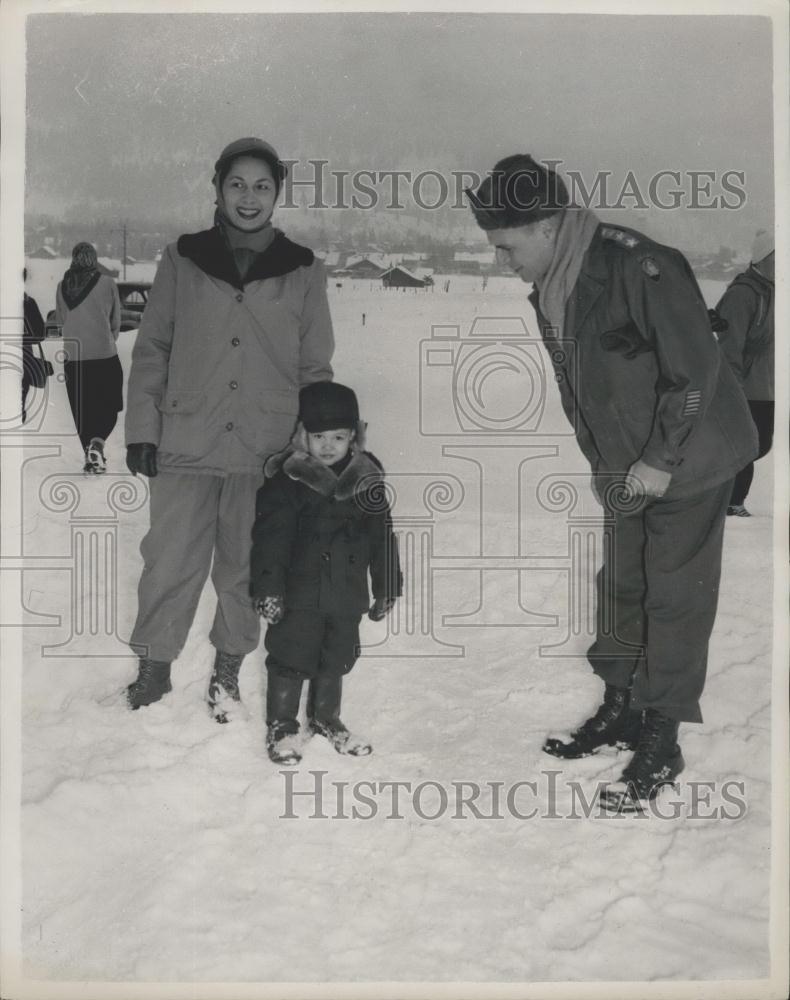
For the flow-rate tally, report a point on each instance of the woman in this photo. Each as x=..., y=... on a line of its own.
x=236, y=322
x=88, y=309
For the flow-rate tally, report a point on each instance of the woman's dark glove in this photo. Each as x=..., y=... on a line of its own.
x=380, y=608
x=141, y=458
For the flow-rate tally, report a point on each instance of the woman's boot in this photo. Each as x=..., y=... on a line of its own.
x=323, y=713
x=152, y=682
x=283, y=694
x=224, y=698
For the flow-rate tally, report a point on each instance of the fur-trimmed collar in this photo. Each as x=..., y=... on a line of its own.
x=362, y=474
x=210, y=252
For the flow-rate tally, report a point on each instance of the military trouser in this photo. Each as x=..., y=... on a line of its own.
x=657, y=595
x=195, y=518
x=308, y=643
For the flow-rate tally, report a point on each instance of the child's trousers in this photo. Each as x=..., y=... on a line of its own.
x=309, y=643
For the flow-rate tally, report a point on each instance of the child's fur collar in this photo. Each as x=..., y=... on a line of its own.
x=361, y=474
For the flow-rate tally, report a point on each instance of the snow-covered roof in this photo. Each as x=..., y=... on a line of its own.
x=482, y=257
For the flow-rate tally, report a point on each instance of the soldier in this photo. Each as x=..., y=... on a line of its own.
x=665, y=427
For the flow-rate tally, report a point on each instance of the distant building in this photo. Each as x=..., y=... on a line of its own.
x=109, y=266
x=402, y=277
x=362, y=267
x=43, y=253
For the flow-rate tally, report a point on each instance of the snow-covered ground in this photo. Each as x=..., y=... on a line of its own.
x=160, y=847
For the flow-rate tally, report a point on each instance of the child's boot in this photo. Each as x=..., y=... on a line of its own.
x=283, y=693
x=323, y=713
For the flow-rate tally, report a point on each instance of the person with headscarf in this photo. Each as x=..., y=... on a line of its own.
x=237, y=321
x=88, y=309
x=747, y=339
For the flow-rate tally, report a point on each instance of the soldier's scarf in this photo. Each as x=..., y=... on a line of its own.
x=575, y=234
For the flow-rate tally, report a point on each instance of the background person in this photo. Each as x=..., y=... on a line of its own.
x=665, y=428
x=747, y=339
x=32, y=333
x=88, y=309
x=236, y=322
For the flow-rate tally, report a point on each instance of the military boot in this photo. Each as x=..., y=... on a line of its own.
x=657, y=762
x=614, y=724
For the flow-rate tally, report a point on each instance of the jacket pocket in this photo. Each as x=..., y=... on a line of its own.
x=626, y=341
x=183, y=422
x=276, y=420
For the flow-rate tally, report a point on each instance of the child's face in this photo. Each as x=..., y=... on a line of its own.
x=330, y=446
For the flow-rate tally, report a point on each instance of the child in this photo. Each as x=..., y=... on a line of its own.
x=322, y=521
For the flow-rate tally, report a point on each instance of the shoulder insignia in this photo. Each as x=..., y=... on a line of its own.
x=650, y=268
x=625, y=239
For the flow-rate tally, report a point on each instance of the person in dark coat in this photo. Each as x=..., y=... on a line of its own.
x=746, y=312
x=237, y=321
x=665, y=428
x=322, y=524
x=32, y=333
x=88, y=309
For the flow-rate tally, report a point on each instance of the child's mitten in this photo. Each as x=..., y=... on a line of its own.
x=380, y=608
x=272, y=608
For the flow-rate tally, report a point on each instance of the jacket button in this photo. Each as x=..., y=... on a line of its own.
x=235, y=341
x=174, y=403
x=352, y=559
x=559, y=377
x=234, y=385
x=559, y=357
x=229, y=426
x=325, y=556
x=239, y=297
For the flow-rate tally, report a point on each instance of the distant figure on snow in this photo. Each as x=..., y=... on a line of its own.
x=747, y=339
x=89, y=311
x=32, y=333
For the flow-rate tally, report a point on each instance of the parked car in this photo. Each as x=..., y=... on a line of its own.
x=133, y=296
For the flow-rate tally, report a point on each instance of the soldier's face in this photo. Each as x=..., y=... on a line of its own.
x=526, y=250
x=330, y=446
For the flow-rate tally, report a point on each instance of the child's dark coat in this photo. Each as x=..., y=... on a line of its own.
x=317, y=534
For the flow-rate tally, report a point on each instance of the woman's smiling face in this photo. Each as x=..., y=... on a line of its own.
x=249, y=193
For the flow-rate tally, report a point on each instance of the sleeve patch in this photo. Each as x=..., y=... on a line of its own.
x=692, y=404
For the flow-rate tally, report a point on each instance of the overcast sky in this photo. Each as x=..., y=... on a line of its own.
x=127, y=112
